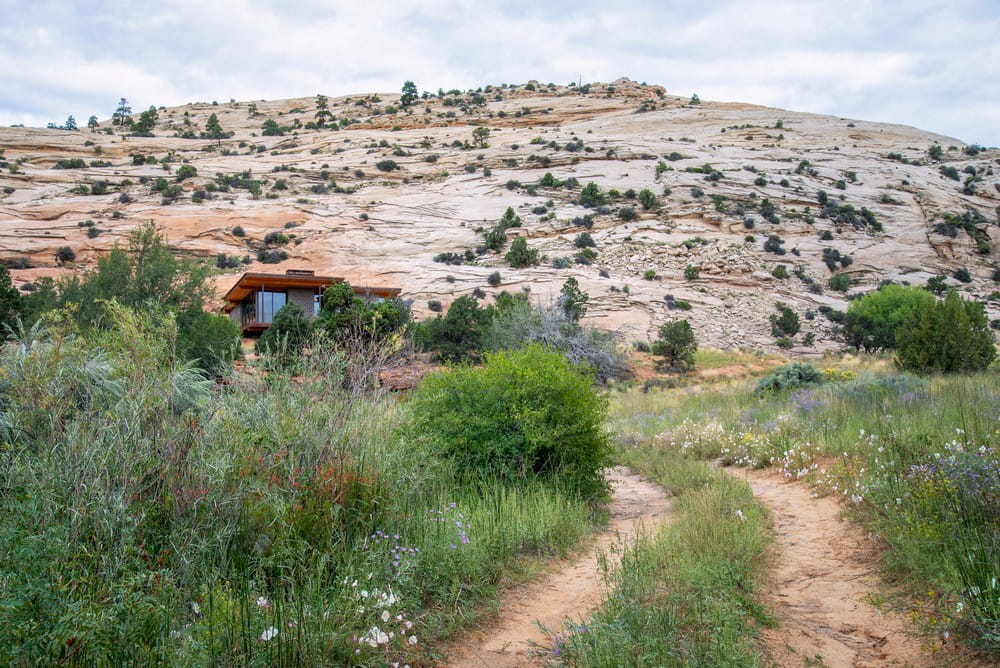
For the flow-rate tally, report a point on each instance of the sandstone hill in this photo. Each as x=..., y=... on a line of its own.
x=378, y=192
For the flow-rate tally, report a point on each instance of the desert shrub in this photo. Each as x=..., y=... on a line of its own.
x=691, y=272
x=386, y=165
x=435, y=305
x=65, y=254
x=676, y=344
x=186, y=172
x=516, y=323
x=271, y=255
x=591, y=196
x=275, y=238
x=780, y=271
x=238, y=231
x=457, y=335
x=526, y=412
x=627, y=213
x=584, y=240
x=784, y=323
x=948, y=336
x=773, y=244
x=840, y=282
x=521, y=255
x=71, y=163
x=494, y=279
x=788, y=377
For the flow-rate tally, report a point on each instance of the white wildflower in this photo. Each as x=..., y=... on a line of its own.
x=385, y=616
x=269, y=633
x=412, y=640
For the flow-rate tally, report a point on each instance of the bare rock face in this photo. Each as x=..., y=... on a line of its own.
x=381, y=194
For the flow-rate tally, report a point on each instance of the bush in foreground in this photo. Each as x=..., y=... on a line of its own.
x=526, y=412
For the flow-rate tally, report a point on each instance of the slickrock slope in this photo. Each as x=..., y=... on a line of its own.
x=351, y=218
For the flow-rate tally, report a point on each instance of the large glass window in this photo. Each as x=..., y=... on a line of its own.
x=268, y=304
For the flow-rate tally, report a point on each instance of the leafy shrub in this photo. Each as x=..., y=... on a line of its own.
x=780, y=271
x=65, y=254
x=584, y=240
x=494, y=279
x=386, y=165
x=691, y=272
x=871, y=323
x=788, y=377
x=238, y=231
x=526, y=412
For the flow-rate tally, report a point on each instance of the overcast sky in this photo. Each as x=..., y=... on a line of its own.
x=931, y=64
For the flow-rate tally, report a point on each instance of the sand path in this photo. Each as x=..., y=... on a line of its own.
x=823, y=576
x=569, y=590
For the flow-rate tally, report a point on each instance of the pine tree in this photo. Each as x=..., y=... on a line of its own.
x=70, y=123
x=93, y=123
x=122, y=116
x=409, y=94
x=213, y=129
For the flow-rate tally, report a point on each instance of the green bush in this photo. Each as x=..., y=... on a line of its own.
x=287, y=336
x=526, y=412
x=871, y=322
x=520, y=255
x=784, y=323
x=789, y=376
x=948, y=336
x=840, y=282
x=691, y=272
x=211, y=341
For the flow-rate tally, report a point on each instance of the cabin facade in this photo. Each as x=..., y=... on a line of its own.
x=257, y=296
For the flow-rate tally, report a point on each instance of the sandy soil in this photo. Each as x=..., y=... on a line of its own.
x=568, y=591
x=823, y=576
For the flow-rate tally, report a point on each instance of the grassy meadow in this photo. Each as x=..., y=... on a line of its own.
x=916, y=460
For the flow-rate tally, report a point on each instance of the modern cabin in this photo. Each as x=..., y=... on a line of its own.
x=257, y=296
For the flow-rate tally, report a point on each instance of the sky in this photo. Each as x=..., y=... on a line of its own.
x=931, y=64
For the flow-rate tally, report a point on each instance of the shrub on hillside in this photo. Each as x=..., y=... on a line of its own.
x=521, y=255
x=526, y=412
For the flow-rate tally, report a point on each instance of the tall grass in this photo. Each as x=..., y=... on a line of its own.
x=917, y=460
x=154, y=517
x=687, y=595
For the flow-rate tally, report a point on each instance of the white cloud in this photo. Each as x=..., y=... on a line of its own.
x=924, y=63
